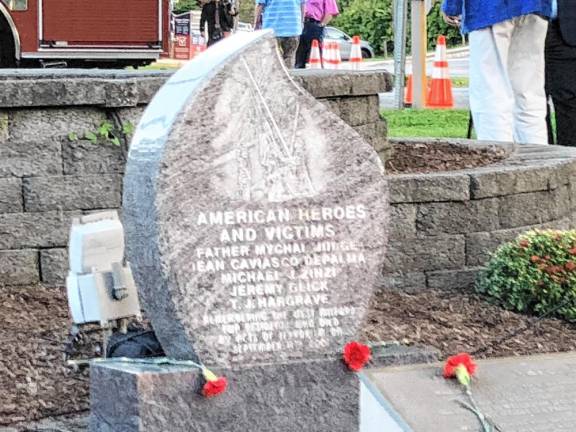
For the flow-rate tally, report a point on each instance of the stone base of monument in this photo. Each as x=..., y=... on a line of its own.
x=314, y=396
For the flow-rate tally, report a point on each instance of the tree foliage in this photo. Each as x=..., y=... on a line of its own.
x=246, y=10
x=437, y=27
x=370, y=19
x=373, y=20
x=182, y=6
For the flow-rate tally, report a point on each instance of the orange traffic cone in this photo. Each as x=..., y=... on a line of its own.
x=409, y=93
x=315, y=62
x=337, y=55
x=355, y=53
x=328, y=55
x=440, y=95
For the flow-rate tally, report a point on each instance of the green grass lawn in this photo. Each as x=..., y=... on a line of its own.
x=427, y=123
x=160, y=66
x=460, y=82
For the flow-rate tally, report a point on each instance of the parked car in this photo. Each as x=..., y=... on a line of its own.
x=334, y=34
x=245, y=27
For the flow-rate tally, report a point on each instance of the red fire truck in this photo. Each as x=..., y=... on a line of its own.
x=80, y=33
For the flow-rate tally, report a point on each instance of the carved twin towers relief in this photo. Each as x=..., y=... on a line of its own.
x=275, y=150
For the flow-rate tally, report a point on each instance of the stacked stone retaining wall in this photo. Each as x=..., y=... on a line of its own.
x=443, y=225
x=446, y=224
x=46, y=178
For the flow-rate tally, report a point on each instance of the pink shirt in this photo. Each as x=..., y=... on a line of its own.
x=318, y=9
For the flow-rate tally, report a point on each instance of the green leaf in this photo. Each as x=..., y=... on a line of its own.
x=91, y=136
x=128, y=128
x=73, y=136
x=115, y=141
x=105, y=128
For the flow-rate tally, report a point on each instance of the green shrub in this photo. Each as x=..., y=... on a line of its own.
x=181, y=6
x=535, y=274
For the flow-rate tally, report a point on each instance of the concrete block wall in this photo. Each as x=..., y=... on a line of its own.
x=46, y=179
x=353, y=97
x=445, y=225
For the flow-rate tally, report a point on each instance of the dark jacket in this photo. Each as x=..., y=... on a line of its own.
x=208, y=16
x=567, y=20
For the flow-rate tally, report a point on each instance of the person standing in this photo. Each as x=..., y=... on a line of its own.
x=561, y=69
x=285, y=18
x=216, y=15
x=506, y=90
x=317, y=16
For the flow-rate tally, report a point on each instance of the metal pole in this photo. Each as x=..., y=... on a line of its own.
x=400, y=23
x=419, y=42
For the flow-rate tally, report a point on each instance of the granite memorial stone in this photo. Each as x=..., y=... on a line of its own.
x=255, y=225
x=255, y=218
x=520, y=394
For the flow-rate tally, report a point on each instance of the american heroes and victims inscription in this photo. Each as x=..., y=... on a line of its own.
x=277, y=267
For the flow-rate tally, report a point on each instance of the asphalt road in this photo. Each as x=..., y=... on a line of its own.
x=458, y=64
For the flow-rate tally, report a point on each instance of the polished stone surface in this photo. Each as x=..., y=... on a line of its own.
x=521, y=394
x=255, y=218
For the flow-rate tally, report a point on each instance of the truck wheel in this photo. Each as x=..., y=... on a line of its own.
x=366, y=54
x=7, y=48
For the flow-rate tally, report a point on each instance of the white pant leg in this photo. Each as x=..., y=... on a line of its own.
x=526, y=70
x=490, y=92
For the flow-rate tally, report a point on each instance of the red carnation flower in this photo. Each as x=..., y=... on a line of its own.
x=534, y=258
x=460, y=366
x=213, y=388
x=572, y=251
x=356, y=355
x=214, y=385
x=524, y=243
x=570, y=265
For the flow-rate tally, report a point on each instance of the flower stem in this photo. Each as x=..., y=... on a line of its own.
x=487, y=424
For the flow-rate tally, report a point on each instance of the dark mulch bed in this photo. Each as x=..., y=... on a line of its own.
x=431, y=157
x=35, y=383
x=454, y=322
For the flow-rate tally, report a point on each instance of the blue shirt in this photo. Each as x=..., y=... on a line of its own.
x=282, y=16
x=554, y=13
x=477, y=14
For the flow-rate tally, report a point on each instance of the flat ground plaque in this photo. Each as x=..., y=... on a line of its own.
x=521, y=394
